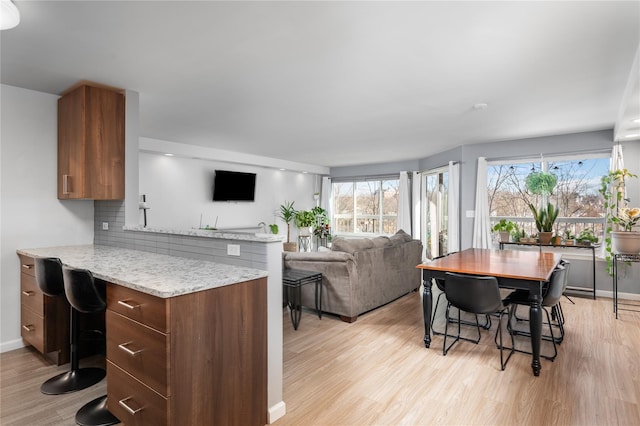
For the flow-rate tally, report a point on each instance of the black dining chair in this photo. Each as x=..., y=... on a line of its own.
x=440, y=283
x=550, y=299
x=49, y=278
x=85, y=296
x=477, y=295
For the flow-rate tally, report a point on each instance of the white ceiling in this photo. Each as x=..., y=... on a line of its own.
x=339, y=83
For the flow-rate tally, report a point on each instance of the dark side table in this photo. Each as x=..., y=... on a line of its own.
x=293, y=280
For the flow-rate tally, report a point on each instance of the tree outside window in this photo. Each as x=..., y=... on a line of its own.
x=365, y=206
x=576, y=192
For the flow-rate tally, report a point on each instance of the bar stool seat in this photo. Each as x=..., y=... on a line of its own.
x=84, y=296
x=50, y=280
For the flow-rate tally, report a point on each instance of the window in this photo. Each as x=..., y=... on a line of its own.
x=576, y=192
x=367, y=206
x=435, y=237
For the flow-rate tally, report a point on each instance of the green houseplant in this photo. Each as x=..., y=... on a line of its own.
x=305, y=219
x=545, y=217
x=288, y=213
x=587, y=237
x=505, y=228
x=619, y=219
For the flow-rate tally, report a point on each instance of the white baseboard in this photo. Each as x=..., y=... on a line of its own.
x=623, y=296
x=11, y=345
x=277, y=411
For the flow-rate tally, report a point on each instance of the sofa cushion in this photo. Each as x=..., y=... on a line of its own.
x=381, y=241
x=351, y=246
x=400, y=237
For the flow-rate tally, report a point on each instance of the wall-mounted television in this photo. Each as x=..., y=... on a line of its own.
x=234, y=186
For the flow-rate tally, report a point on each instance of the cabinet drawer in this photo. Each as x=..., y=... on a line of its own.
x=144, y=308
x=132, y=402
x=27, y=265
x=139, y=350
x=30, y=294
x=32, y=328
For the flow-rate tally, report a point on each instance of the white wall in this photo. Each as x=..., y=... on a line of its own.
x=179, y=190
x=31, y=215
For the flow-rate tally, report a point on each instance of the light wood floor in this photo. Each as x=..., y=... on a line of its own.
x=377, y=371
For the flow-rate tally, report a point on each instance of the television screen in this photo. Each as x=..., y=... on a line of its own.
x=234, y=186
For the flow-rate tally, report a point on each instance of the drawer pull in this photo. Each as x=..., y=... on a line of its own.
x=123, y=346
x=28, y=293
x=25, y=266
x=29, y=327
x=123, y=402
x=128, y=305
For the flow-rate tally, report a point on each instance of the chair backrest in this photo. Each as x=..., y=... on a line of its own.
x=82, y=293
x=556, y=287
x=439, y=281
x=567, y=267
x=472, y=293
x=49, y=275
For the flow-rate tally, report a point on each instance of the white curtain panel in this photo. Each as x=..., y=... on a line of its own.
x=404, y=204
x=416, y=183
x=325, y=196
x=482, y=224
x=453, y=207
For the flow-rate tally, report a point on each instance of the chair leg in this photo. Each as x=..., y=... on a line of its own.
x=503, y=362
x=512, y=332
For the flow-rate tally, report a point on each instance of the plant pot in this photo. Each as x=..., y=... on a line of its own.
x=556, y=241
x=504, y=236
x=545, y=237
x=569, y=242
x=524, y=240
x=625, y=242
x=290, y=247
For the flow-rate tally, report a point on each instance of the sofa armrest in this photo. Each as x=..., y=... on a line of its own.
x=320, y=256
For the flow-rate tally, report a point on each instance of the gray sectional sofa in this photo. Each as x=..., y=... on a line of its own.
x=361, y=274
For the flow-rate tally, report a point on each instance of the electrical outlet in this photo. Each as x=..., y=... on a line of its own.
x=105, y=226
x=233, y=249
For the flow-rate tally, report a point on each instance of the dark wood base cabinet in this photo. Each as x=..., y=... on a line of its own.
x=194, y=359
x=44, y=320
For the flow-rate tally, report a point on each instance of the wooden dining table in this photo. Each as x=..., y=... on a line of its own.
x=515, y=269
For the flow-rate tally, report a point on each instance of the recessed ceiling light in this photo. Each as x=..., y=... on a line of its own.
x=282, y=170
x=169, y=155
x=480, y=106
x=305, y=173
x=637, y=120
x=632, y=135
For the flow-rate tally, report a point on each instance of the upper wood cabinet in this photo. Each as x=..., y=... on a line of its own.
x=91, y=144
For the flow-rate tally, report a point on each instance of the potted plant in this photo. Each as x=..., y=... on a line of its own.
x=619, y=236
x=587, y=237
x=273, y=228
x=504, y=228
x=556, y=240
x=569, y=238
x=287, y=214
x=305, y=219
x=545, y=218
x=523, y=238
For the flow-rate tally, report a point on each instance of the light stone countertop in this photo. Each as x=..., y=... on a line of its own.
x=219, y=233
x=156, y=274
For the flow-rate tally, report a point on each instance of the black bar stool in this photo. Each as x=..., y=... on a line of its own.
x=50, y=280
x=84, y=296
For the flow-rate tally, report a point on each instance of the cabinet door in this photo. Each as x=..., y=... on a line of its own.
x=91, y=144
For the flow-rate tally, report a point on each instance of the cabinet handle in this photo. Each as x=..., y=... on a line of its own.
x=29, y=327
x=28, y=293
x=128, y=305
x=25, y=266
x=123, y=346
x=123, y=402
x=65, y=184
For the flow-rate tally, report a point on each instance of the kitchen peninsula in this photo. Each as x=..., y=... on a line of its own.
x=195, y=330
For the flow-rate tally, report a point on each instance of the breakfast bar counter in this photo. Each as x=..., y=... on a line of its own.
x=156, y=274
x=186, y=338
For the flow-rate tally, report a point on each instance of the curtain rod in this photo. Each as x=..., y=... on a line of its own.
x=555, y=154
